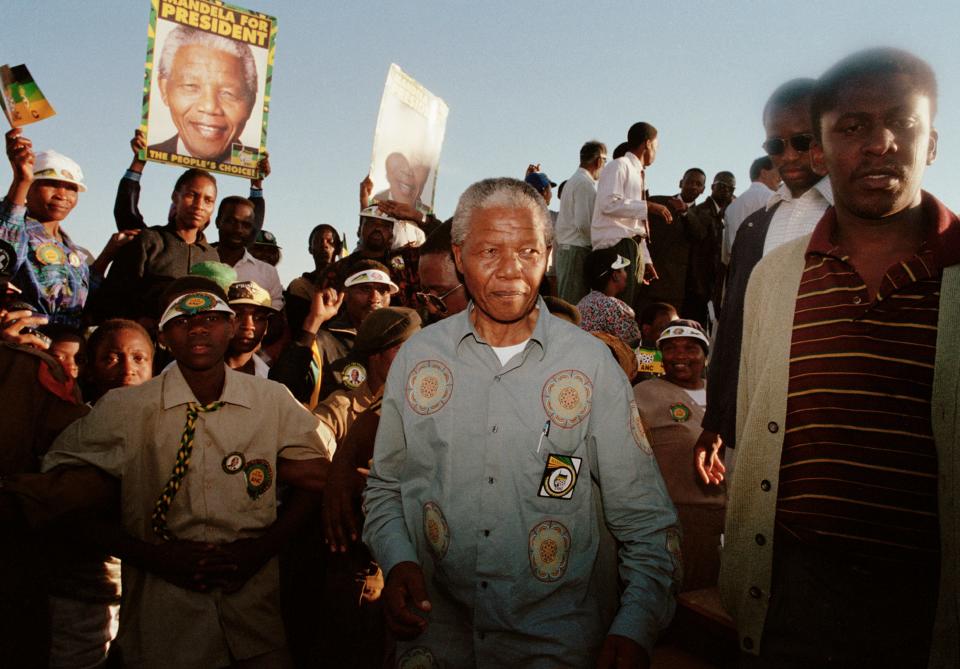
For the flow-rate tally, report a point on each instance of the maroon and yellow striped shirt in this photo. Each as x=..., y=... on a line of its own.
x=858, y=472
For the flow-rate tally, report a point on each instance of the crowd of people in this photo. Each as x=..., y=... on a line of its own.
x=513, y=438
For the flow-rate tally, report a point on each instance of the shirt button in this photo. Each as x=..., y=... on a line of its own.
x=490, y=480
x=748, y=643
x=486, y=533
x=765, y=485
x=497, y=379
x=493, y=429
x=482, y=635
x=773, y=427
x=754, y=592
x=483, y=584
x=760, y=539
x=856, y=299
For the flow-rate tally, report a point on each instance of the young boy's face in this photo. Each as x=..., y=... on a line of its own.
x=199, y=342
x=252, y=324
x=124, y=358
x=69, y=351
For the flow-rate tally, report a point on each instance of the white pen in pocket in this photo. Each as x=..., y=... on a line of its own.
x=543, y=433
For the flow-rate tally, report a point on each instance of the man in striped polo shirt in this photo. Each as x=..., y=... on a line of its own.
x=841, y=543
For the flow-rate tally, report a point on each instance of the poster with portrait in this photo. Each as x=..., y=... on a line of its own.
x=206, y=87
x=407, y=142
x=21, y=98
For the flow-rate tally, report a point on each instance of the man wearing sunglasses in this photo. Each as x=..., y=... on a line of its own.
x=441, y=293
x=792, y=211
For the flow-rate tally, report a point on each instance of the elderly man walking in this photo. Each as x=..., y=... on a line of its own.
x=508, y=445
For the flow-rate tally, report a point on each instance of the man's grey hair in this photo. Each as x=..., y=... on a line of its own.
x=501, y=192
x=186, y=36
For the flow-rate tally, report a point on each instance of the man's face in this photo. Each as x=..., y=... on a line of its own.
x=193, y=203
x=402, y=180
x=650, y=152
x=199, y=342
x=794, y=166
x=503, y=260
x=124, y=358
x=438, y=276
x=377, y=234
x=683, y=361
x=691, y=186
x=722, y=193
x=208, y=100
x=51, y=200
x=363, y=299
x=69, y=352
x=252, y=324
x=650, y=333
x=547, y=194
x=877, y=142
x=770, y=178
x=323, y=247
x=237, y=226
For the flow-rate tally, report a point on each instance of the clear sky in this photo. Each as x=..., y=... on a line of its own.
x=526, y=82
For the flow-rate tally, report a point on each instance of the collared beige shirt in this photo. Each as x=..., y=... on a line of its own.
x=134, y=434
x=341, y=408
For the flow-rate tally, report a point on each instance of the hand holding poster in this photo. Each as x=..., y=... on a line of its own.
x=407, y=142
x=21, y=98
x=207, y=85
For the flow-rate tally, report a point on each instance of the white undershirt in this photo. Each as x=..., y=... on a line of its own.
x=507, y=352
x=698, y=396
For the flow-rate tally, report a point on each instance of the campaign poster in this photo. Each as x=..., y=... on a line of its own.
x=206, y=87
x=407, y=142
x=21, y=98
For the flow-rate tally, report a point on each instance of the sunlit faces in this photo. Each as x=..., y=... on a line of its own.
x=438, y=276
x=208, y=100
x=722, y=193
x=193, y=203
x=123, y=358
x=377, y=234
x=683, y=361
x=795, y=166
x=503, y=260
x=199, y=342
x=51, y=200
x=692, y=185
x=237, y=225
x=877, y=141
x=252, y=324
x=650, y=151
x=323, y=247
x=363, y=299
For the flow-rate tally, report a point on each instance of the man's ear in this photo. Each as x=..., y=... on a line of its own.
x=162, y=85
x=457, y=259
x=932, y=148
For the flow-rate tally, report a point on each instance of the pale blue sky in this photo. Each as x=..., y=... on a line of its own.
x=526, y=82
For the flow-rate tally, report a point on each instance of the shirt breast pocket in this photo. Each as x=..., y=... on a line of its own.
x=560, y=472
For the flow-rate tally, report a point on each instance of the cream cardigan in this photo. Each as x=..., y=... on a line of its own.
x=745, y=573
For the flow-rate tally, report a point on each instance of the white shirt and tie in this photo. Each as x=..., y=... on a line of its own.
x=620, y=210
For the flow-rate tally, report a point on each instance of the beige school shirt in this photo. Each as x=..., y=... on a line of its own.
x=134, y=434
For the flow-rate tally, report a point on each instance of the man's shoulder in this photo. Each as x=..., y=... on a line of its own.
x=774, y=268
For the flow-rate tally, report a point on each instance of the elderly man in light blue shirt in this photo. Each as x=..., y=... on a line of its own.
x=510, y=457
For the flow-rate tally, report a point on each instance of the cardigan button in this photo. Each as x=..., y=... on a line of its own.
x=760, y=539
x=748, y=643
x=773, y=427
x=765, y=485
x=754, y=592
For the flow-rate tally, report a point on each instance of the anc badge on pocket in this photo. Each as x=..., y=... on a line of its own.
x=559, y=476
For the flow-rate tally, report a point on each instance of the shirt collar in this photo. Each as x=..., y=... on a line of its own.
x=176, y=392
x=821, y=189
x=632, y=157
x=943, y=232
x=247, y=257
x=465, y=328
x=586, y=173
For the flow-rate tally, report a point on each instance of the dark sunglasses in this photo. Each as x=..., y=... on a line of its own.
x=436, y=301
x=776, y=145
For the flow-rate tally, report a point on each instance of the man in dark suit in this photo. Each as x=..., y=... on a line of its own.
x=705, y=270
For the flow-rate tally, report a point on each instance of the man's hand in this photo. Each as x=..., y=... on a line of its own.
x=531, y=168
x=619, y=652
x=344, y=485
x=192, y=565
x=138, y=144
x=263, y=167
x=401, y=211
x=366, y=190
x=649, y=274
x=323, y=307
x=13, y=324
x=20, y=154
x=709, y=458
x=677, y=205
x=658, y=209
x=404, y=594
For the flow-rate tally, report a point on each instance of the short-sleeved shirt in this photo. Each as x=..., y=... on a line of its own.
x=134, y=434
x=500, y=481
x=52, y=273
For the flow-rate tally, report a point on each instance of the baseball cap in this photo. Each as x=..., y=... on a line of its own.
x=684, y=328
x=55, y=166
x=601, y=262
x=249, y=292
x=192, y=304
x=539, y=180
x=266, y=238
x=371, y=276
